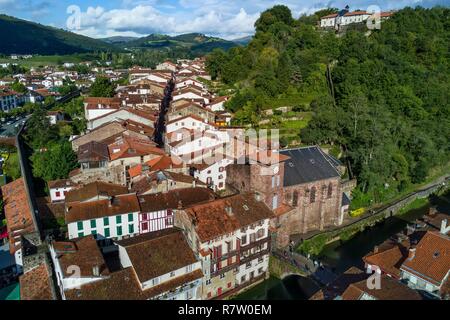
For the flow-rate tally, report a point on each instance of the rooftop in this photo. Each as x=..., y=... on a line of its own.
x=431, y=260
x=227, y=215
x=93, y=190
x=157, y=253
x=307, y=165
x=121, y=204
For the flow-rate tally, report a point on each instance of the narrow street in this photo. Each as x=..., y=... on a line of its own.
x=160, y=126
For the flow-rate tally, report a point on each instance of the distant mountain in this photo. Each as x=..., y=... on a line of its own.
x=118, y=39
x=25, y=37
x=243, y=41
x=196, y=43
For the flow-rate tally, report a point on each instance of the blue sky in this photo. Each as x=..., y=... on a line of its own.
x=224, y=18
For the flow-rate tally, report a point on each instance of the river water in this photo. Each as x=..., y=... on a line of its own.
x=339, y=256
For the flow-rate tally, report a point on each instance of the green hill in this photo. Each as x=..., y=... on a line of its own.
x=25, y=37
x=118, y=39
x=197, y=43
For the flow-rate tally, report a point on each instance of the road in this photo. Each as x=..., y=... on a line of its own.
x=161, y=123
x=11, y=129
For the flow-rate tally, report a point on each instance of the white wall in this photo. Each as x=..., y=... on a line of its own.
x=61, y=191
x=214, y=173
x=189, y=95
x=119, y=115
x=100, y=227
x=188, y=123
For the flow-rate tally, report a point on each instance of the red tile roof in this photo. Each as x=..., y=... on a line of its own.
x=389, y=261
x=121, y=204
x=175, y=198
x=82, y=252
x=36, y=285
x=19, y=219
x=431, y=260
x=212, y=219
x=127, y=147
x=158, y=253
x=390, y=289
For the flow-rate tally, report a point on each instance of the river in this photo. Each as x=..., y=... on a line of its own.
x=292, y=287
x=340, y=256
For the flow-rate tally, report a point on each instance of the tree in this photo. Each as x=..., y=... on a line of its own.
x=19, y=87
x=55, y=163
x=102, y=87
x=39, y=131
x=279, y=13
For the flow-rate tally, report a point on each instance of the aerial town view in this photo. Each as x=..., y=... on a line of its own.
x=240, y=151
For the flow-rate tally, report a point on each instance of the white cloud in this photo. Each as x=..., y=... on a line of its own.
x=145, y=19
x=227, y=19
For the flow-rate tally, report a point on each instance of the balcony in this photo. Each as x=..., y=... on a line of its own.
x=243, y=260
x=242, y=249
x=238, y=287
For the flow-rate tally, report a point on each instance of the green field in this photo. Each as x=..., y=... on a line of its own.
x=38, y=60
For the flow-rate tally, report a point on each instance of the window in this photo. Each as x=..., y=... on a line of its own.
x=221, y=169
x=260, y=270
x=222, y=276
x=94, y=232
x=273, y=181
x=243, y=278
x=244, y=240
x=130, y=217
x=144, y=216
x=131, y=228
x=172, y=274
x=93, y=224
x=118, y=219
x=80, y=225
x=330, y=191
x=221, y=177
x=189, y=268
x=220, y=185
x=312, y=196
x=106, y=221
x=80, y=234
x=208, y=282
x=119, y=231
x=58, y=194
x=260, y=233
x=278, y=181
x=275, y=202
x=107, y=233
x=155, y=281
x=295, y=198
x=229, y=285
x=248, y=265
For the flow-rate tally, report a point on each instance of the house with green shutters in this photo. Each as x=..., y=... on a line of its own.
x=116, y=217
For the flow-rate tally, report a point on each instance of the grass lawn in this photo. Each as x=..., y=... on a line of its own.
x=37, y=60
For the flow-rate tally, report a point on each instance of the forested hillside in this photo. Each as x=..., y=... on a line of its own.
x=25, y=37
x=384, y=103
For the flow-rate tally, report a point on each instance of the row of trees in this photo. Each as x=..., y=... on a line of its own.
x=384, y=99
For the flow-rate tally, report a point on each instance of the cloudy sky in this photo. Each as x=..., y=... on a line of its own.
x=229, y=19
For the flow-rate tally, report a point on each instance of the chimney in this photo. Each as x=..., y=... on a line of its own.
x=95, y=271
x=180, y=204
x=194, y=183
x=110, y=202
x=257, y=197
x=412, y=253
x=375, y=249
x=444, y=228
x=229, y=210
